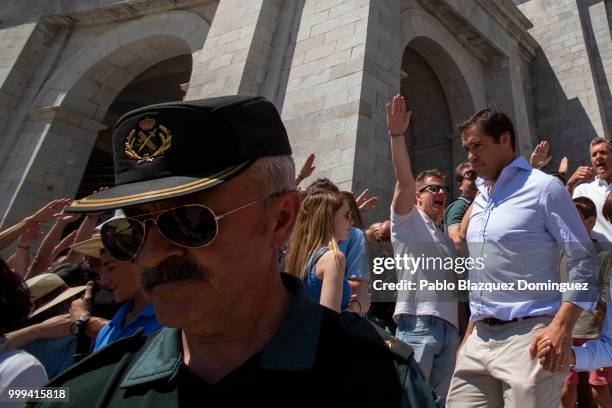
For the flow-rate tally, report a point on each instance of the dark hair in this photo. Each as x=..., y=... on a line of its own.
x=355, y=213
x=322, y=185
x=492, y=122
x=15, y=303
x=607, y=208
x=586, y=206
x=74, y=274
x=559, y=176
x=419, y=181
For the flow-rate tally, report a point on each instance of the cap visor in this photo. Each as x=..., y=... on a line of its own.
x=154, y=190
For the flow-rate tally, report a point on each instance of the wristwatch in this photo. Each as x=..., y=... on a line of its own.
x=77, y=328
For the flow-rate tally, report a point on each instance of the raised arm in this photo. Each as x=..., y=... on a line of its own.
x=398, y=120
x=43, y=257
x=9, y=235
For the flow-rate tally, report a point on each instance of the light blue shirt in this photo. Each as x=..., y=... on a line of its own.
x=355, y=249
x=518, y=232
x=597, y=353
x=118, y=328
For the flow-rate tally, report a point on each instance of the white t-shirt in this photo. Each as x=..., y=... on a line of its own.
x=597, y=190
x=19, y=369
x=417, y=236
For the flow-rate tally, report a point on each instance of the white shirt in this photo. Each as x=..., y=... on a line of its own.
x=597, y=190
x=417, y=236
x=19, y=369
x=519, y=230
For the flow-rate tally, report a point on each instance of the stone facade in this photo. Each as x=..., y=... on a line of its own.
x=330, y=66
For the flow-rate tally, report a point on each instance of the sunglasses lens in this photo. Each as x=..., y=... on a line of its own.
x=190, y=226
x=122, y=238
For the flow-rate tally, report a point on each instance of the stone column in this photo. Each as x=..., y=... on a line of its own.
x=345, y=67
x=233, y=59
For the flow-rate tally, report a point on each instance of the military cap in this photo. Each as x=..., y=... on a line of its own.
x=173, y=149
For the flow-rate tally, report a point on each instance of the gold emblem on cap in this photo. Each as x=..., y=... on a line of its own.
x=148, y=141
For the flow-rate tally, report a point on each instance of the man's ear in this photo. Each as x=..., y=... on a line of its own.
x=506, y=139
x=590, y=223
x=283, y=217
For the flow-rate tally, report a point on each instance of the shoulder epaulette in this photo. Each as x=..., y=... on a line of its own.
x=369, y=332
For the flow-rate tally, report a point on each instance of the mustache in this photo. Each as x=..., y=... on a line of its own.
x=170, y=270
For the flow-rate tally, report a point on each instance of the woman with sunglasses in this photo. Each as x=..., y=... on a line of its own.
x=314, y=257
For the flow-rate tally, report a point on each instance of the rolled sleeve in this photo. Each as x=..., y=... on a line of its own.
x=562, y=220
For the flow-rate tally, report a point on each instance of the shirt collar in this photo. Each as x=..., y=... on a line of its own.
x=293, y=346
x=519, y=163
x=120, y=315
x=601, y=182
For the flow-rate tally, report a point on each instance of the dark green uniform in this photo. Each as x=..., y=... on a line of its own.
x=316, y=358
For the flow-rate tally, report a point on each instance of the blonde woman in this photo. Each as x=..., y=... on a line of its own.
x=314, y=256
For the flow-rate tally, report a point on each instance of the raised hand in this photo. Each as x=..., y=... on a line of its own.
x=582, y=174
x=364, y=202
x=29, y=235
x=540, y=157
x=398, y=118
x=66, y=218
x=563, y=166
x=307, y=168
x=82, y=306
x=47, y=212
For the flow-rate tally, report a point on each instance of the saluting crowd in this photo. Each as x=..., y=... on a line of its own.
x=211, y=275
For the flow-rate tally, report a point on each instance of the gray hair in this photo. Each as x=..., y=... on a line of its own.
x=599, y=140
x=273, y=174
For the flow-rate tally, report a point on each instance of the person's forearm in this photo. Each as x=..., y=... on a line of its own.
x=94, y=325
x=566, y=316
x=43, y=257
x=22, y=262
x=86, y=230
x=23, y=337
x=10, y=235
x=401, y=162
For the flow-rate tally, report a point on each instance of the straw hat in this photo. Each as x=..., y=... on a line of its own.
x=48, y=290
x=90, y=247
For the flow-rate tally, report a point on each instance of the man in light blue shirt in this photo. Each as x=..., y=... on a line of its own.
x=519, y=222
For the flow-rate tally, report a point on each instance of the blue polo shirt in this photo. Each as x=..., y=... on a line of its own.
x=115, y=329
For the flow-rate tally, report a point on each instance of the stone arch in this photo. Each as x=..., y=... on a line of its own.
x=66, y=115
x=447, y=87
x=447, y=57
x=89, y=80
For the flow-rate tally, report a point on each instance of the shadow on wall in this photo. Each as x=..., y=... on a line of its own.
x=561, y=121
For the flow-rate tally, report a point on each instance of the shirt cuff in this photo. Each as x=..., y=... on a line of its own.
x=585, y=305
x=582, y=359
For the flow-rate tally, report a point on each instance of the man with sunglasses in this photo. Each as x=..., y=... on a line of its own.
x=466, y=178
x=427, y=318
x=208, y=190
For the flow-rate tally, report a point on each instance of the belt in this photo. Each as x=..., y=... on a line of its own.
x=492, y=321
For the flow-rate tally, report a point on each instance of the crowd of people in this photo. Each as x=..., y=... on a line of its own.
x=208, y=276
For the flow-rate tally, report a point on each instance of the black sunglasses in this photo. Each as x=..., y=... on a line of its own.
x=435, y=188
x=191, y=226
x=470, y=175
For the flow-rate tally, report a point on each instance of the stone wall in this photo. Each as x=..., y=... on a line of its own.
x=570, y=90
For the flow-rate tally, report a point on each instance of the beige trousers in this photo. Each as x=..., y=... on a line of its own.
x=494, y=369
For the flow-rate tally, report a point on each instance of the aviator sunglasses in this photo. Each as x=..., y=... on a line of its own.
x=190, y=226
